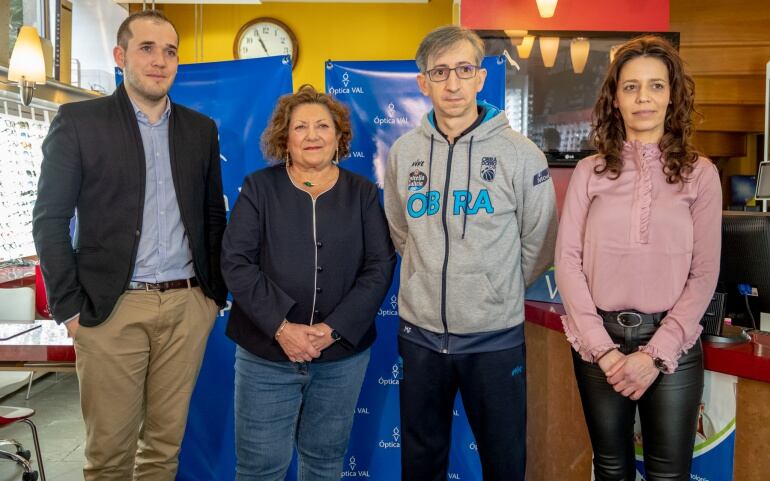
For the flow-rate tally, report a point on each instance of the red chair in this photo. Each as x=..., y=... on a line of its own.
x=10, y=415
x=41, y=301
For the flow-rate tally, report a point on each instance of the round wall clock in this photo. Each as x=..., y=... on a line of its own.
x=265, y=37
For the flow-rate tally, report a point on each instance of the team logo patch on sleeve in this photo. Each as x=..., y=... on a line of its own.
x=488, y=168
x=541, y=177
x=417, y=180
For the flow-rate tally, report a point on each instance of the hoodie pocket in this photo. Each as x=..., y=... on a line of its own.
x=419, y=301
x=473, y=305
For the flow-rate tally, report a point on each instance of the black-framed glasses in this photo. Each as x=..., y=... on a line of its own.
x=440, y=74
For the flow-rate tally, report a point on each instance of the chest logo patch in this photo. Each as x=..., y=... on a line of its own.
x=417, y=180
x=488, y=168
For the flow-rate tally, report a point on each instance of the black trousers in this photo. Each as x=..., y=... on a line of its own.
x=668, y=412
x=493, y=390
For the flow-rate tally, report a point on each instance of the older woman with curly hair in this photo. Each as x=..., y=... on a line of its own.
x=637, y=261
x=308, y=260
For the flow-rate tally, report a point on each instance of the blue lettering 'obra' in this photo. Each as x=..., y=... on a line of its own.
x=420, y=204
x=463, y=200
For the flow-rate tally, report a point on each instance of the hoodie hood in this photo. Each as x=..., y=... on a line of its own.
x=492, y=122
x=474, y=222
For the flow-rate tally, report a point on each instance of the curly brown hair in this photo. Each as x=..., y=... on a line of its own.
x=276, y=135
x=609, y=130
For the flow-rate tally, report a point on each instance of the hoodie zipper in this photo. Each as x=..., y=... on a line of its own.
x=445, y=343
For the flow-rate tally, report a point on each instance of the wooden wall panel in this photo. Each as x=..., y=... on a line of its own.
x=726, y=58
x=752, y=438
x=726, y=46
x=730, y=89
x=732, y=118
x=558, y=446
x=720, y=20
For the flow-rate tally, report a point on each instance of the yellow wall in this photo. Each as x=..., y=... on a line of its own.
x=336, y=31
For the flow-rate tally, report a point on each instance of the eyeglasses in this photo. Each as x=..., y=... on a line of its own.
x=441, y=74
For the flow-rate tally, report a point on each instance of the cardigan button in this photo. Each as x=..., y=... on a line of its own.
x=319, y=268
x=319, y=244
x=318, y=289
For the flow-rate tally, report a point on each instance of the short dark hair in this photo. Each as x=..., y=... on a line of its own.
x=124, y=31
x=444, y=38
x=276, y=135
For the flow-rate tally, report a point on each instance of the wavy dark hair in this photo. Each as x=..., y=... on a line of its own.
x=609, y=131
x=276, y=135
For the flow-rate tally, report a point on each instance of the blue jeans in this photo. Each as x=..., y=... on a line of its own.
x=280, y=404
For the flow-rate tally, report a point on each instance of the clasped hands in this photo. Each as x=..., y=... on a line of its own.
x=631, y=374
x=301, y=342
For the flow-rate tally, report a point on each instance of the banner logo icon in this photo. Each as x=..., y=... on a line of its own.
x=393, y=311
x=391, y=444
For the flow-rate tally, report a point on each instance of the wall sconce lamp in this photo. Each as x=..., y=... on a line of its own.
x=27, y=65
x=546, y=7
x=525, y=48
x=578, y=52
x=549, y=47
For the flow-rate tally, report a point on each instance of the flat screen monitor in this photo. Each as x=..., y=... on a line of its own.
x=553, y=106
x=763, y=181
x=745, y=261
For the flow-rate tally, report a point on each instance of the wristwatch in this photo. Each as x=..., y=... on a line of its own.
x=660, y=365
x=335, y=335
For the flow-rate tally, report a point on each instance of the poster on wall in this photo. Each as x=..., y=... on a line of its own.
x=385, y=103
x=715, y=435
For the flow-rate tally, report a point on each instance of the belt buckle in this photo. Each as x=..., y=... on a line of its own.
x=149, y=286
x=621, y=317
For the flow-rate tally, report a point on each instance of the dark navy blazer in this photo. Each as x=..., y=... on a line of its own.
x=286, y=256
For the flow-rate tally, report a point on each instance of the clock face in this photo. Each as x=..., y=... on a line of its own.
x=265, y=37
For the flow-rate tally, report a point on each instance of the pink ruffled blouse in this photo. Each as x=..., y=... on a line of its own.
x=640, y=243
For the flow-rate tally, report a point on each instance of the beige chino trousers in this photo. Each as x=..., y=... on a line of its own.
x=136, y=372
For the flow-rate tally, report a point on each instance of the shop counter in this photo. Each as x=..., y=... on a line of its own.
x=557, y=441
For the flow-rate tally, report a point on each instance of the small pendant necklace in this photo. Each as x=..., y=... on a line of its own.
x=311, y=184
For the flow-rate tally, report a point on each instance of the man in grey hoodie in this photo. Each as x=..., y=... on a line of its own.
x=471, y=208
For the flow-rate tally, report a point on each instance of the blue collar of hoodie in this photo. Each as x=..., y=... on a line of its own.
x=486, y=110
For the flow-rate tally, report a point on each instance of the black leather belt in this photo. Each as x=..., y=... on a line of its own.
x=163, y=286
x=631, y=318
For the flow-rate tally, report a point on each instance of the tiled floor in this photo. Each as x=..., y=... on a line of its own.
x=60, y=426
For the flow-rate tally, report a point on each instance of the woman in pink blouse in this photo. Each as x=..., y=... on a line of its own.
x=637, y=260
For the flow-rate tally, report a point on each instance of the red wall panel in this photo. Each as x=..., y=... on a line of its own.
x=602, y=15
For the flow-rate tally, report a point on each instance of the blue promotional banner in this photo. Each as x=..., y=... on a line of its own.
x=385, y=103
x=544, y=289
x=714, y=450
x=240, y=96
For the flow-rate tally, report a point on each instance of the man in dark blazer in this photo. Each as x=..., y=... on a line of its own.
x=139, y=286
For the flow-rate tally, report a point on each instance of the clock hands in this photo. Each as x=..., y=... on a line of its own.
x=262, y=43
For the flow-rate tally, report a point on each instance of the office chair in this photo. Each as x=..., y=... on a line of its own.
x=10, y=415
x=17, y=304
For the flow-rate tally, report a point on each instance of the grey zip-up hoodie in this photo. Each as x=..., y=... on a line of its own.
x=475, y=223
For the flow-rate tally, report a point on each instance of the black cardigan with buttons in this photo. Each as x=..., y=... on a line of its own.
x=286, y=256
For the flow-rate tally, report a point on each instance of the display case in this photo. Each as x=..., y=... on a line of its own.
x=22, y=130
x=553, y=106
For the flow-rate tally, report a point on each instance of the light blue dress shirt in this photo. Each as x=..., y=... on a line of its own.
x=164, y=252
